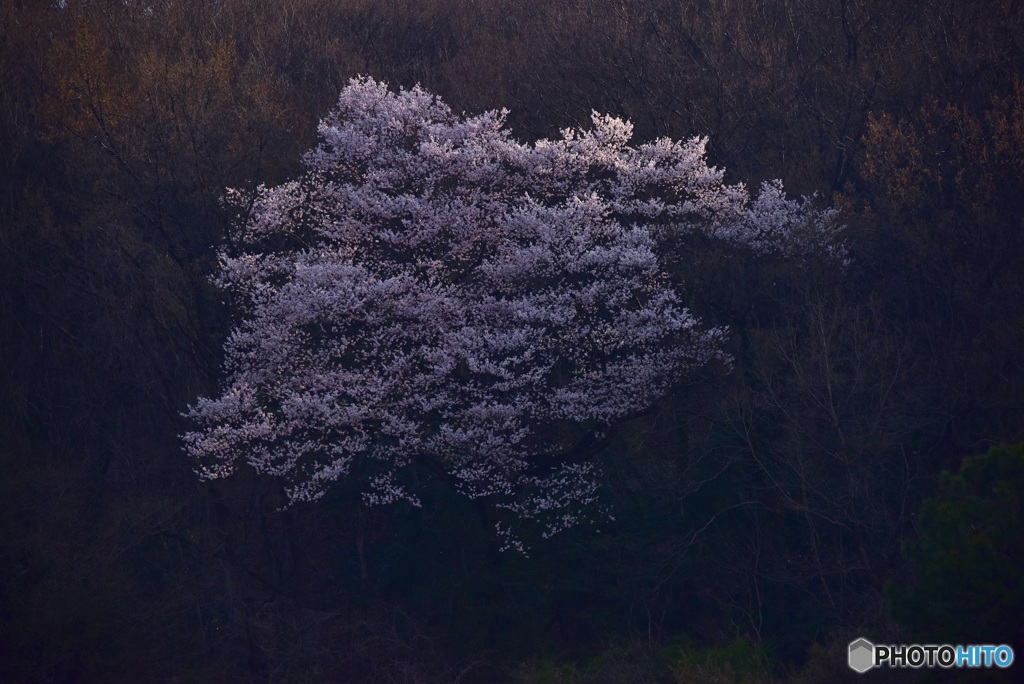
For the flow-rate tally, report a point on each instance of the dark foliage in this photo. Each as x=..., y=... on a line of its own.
x=761, y=513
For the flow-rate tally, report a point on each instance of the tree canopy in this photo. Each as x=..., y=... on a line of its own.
x=433, y=293
x=760, y=513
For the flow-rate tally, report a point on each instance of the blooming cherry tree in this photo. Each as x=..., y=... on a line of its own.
x=434, y=294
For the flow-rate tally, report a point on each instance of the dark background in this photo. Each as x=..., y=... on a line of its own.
x=764, y=516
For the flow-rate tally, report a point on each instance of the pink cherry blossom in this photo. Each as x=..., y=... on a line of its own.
x=433, y=293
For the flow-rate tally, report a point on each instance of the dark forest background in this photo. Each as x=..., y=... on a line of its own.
x=764, y=516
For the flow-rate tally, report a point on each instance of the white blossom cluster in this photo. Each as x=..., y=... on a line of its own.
x=432, y=291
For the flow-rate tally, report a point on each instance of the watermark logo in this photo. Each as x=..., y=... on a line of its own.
x=864, y=655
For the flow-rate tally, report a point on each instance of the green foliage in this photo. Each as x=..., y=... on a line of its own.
x=739, y=662
x=544, y=671
x=969, y=587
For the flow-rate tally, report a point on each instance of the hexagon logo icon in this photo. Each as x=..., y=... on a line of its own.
x=862, y=655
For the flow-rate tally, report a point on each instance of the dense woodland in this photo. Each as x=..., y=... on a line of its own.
x=831, y=482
